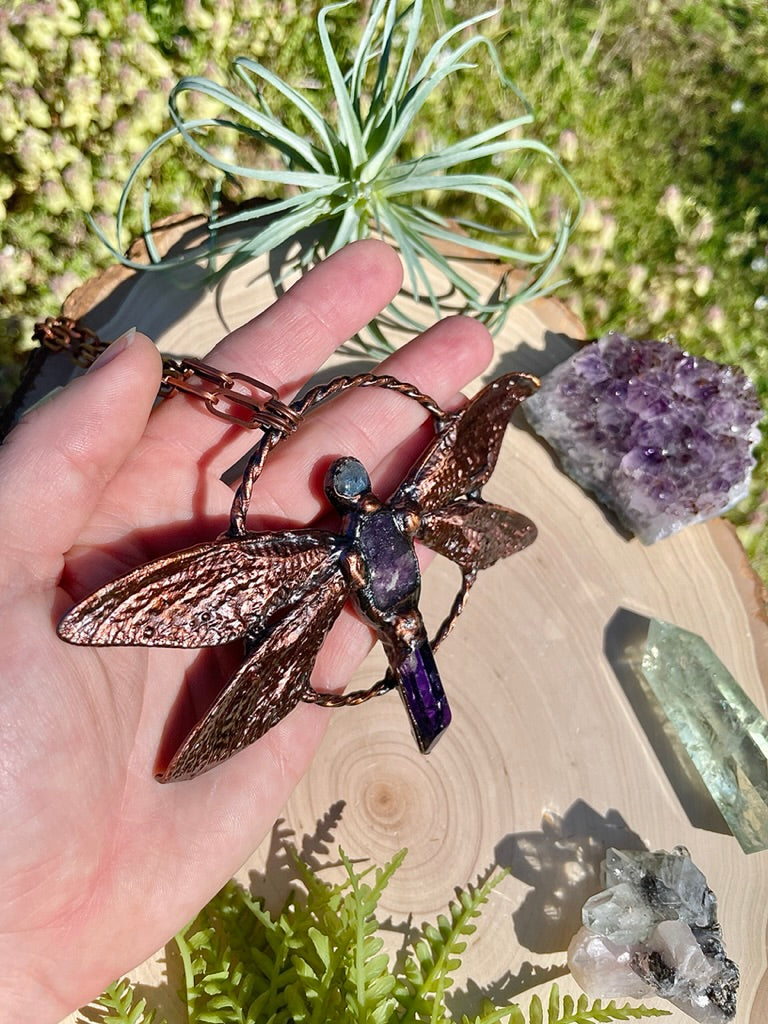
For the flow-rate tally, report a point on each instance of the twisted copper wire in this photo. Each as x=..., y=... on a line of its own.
x=300, y=408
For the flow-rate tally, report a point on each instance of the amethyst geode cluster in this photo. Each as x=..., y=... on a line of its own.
x=662, y=437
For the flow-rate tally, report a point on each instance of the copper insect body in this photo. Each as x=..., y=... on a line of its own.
x=280, y=593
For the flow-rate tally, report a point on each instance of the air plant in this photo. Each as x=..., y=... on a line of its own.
x=345, y=179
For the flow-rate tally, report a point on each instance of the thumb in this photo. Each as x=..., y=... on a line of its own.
x=56, y=463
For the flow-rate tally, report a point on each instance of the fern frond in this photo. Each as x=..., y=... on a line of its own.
x=583, y=1012
x=436, y=956
x=610, y=1012
x=236, y=961
x=321, y=961
x=569, y=1011
x=491, y=1014
x=120, y=1005
x=369, y=983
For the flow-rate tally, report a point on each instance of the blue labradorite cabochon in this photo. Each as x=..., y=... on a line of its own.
x=348, y=478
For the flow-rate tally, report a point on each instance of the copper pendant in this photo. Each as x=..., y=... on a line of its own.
x=281, y=592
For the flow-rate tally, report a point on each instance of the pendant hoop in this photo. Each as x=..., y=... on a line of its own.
x=296, y=412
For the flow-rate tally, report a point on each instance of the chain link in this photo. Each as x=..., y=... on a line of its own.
x=257, y=406
x=63, y=334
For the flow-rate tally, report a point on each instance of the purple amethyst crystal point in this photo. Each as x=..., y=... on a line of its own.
x=662, y=437
x=424, y=697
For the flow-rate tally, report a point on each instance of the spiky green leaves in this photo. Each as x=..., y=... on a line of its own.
x=436, y=955
x=338, y=180
x=120, y=1004
x=321, y=960
x=569, y=1011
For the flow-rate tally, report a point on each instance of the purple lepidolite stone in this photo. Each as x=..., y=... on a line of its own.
x=393, y=569
x=424, y=697
x=662, y=437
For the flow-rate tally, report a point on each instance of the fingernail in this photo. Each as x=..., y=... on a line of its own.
x=118, y=345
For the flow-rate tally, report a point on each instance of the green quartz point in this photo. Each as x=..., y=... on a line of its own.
x=724, y=733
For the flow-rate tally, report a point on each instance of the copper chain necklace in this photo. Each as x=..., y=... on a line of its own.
x=280, y=592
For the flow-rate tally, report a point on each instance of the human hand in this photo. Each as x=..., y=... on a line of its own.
x=101, y=864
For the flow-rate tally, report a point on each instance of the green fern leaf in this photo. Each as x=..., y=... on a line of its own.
x=627, y=1012
x=119, y=1005
x=497, y=1015
x=321, y=961
x=584, y=1013
x=436, y=955
x=368, y=980
x=568, y=1012
x=535, y=1011
x=322, y=945
x=553, y=1004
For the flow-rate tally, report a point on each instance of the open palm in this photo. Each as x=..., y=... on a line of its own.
x=101, y=863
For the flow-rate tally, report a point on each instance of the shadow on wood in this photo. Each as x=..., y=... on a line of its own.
x=505, y=991
x=561, y=863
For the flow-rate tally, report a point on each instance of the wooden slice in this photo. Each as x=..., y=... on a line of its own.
x=551, y=756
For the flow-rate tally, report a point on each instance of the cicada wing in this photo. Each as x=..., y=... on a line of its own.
x=268, y=685
x=206, y=595
x=463, y=456
x=475, y=533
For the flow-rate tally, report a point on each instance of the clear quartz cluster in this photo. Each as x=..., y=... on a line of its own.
x=654, y=932
x=661, y=437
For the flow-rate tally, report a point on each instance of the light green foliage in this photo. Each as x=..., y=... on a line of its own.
x=428, y=972
x=567, y=1011
x=83, y=91
x=121, y=1005
x=72, y=79
x=317, y=960
x=362, y=169
x=320, y=961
